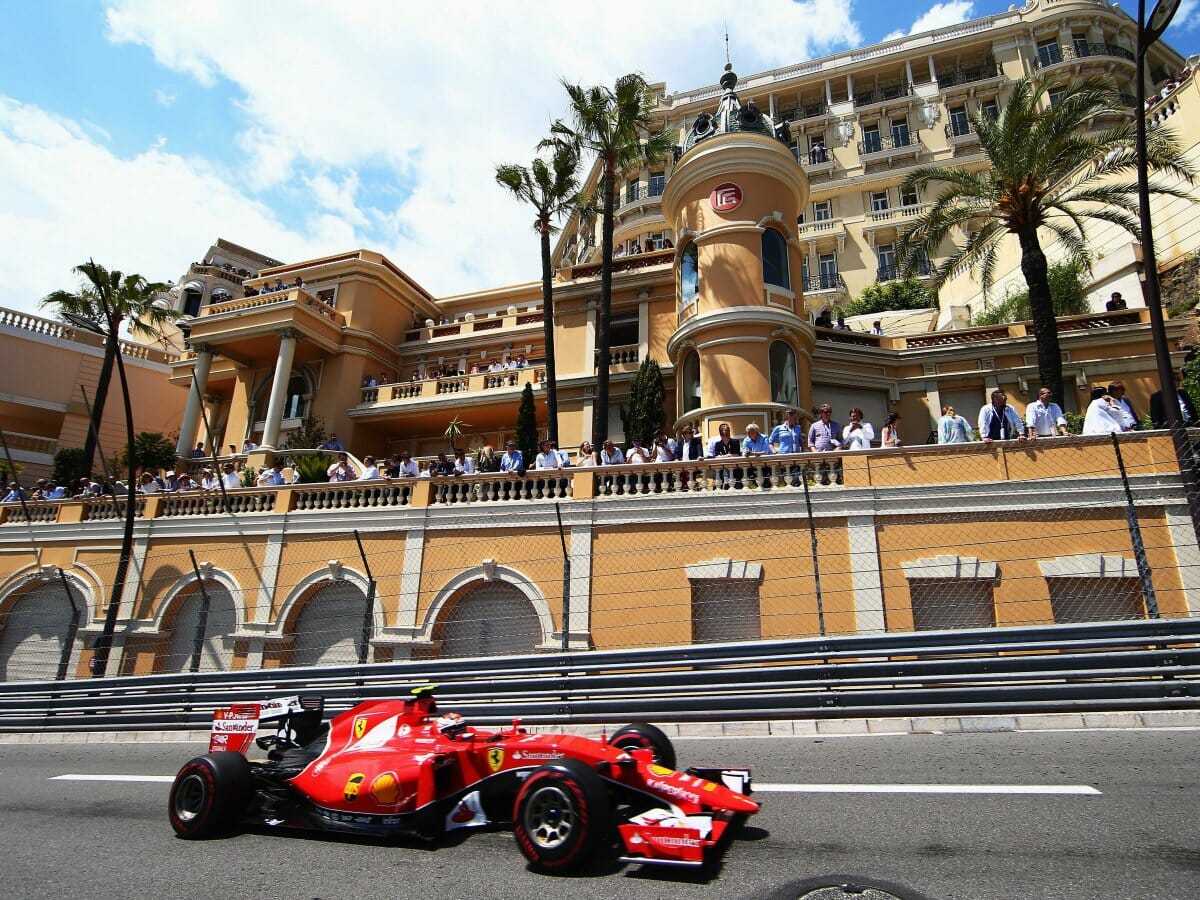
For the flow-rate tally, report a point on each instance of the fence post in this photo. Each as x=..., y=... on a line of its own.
x=566, y=584
x=1135, y=534
x=202, y=624
x=368, y=619
x=812, y=534
x=64, y=661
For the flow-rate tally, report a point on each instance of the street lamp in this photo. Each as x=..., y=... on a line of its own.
x=1147, y=34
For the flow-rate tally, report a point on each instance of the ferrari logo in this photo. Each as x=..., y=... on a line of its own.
x=496, y=758
x=360, y=726
x=353, y=783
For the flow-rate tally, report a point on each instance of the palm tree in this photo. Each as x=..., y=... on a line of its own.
x=106, y=299
x=552, y=189
x=616, y=125
x=1048, y=167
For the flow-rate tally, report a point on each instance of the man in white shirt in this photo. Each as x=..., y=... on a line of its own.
x=230, y=477
x=858, y=434
x=998, y=421
x=547, y=457
x=1044, y=418
x=370, y=469
x=463, y=464
x=1129, y=418
x=637, y=453
x=1102, y=417
x=208, y=481
x=272, y=477
x=408, y=468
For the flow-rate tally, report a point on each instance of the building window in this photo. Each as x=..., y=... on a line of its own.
x=908, y=197
x=296, y=406
x=632, y=190
x=886, y=256
x=990, y=110
x=192, y=295
x=951, y=592
x=871, y=142
x=658, y=183
x=827, y=271
x=822, y=210
x=725, y=604
x=1055, y=95
x=1091, y=587
x=900, y=136
x=623, y=330
x=784, y=383
x=689, y=276
x=494, y=618
x=879, y=201
x=1049, y=52
x=1080, y=43
x=816, y=149
x=959, y=124
x=775, y=259
x=691, y=382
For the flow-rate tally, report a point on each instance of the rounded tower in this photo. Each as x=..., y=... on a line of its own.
x=742, y=347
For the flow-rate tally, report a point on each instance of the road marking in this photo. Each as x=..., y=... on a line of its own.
x=149, y=779
x=1076, y=789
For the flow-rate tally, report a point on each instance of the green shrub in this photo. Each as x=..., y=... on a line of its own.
x=1067, y=292
x=312, y=467
x=644, y=416
x=526, y=431
x=69, y=466
x=310, y=435
x=911, y=293
x=151, y=450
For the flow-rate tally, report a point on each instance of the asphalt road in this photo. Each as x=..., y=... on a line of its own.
x=1139, y=837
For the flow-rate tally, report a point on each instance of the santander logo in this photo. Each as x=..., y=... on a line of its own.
x=725, y=197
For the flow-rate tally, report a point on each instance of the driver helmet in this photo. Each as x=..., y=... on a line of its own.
x=451, y=723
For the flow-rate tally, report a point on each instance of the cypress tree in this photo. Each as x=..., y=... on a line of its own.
x=527, y=436
x=644, y=416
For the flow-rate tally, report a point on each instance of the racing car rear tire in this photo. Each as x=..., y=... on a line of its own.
x=639, y=735
x=210, y=794
x=563, y=817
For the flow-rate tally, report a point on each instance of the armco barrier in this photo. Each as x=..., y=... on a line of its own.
x=1152, y=664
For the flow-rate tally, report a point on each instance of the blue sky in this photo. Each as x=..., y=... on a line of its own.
x=138, y=131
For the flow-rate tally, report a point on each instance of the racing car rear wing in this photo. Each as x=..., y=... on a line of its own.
x=235, y=726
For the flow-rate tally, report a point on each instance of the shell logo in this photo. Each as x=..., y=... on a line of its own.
x=385, y=789
x=725, y=197
x=660, y=770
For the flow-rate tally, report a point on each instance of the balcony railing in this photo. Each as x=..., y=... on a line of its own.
x=882, y=143
x=1057, y=53
x=968, y=74
x=896, y=213
x=431, y=388
x=826, y=281
x=294, y=296
x=626, y=354
x=626, y=264
x=957, y=129
x=804, y=111
x=36, y=325
x=882, y=94
x=821, y=227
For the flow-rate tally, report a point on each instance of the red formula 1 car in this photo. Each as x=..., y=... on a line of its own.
x=397, y=766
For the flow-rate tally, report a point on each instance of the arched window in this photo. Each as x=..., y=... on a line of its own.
x=775, y=259
x=689, y=276
x=296, y=406
x=783, y=374
x=216, y=649
x=193, y=294
x=691, y=382
x=329, y=628
x=493, y=619
x=37, y=630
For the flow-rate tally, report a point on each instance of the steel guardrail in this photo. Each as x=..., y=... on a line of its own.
x=1122, y=665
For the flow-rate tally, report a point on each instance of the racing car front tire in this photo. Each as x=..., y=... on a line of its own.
x=210, y=794
x=640, y=735
x=562, y=818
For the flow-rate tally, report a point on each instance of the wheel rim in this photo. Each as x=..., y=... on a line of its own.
x=550, y=817
x=189, y=797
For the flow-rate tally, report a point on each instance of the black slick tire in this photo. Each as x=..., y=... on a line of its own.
x=210, y=794
x=644, y=735
x=562, y=818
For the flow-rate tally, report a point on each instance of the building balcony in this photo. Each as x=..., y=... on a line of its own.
x=803, y=112
x=225, y=272
x=825, y=283
x=626, y=264
x=968, y=74
x=822, y=228
x=877, y=218
x=247, y=329
x=881, y=94
x=891, y=146
x=624, y=357
x=512, y=321
x=21, y=322
x=637, y=209
x=959, y=134
x=454, y=388
x=1050, y=57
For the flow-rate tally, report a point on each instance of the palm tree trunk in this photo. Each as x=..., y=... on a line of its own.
x=551, y=383
x=111, y=349
x=603, y=334
x=1041, y=310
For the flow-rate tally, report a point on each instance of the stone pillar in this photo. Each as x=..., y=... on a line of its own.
x=283, y=372
x=191, y=411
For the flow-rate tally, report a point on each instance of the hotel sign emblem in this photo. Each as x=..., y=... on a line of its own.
x=725, y=197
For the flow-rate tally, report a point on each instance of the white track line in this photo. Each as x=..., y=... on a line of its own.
x=149, y=779
x=1075, y=789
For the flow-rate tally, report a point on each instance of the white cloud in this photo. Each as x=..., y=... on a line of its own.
x=164, y=98
x=942, y=14
x=1187, y=16
x=333, y=95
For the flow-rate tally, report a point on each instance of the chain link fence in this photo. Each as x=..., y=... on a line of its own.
x=658, y=555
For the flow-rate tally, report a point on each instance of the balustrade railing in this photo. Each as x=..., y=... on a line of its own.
x=103, y=508
x=881, y=143
x=209, y=503
x=826, y=281
x=295, y=296
x=967, y=74
x=500, y=488
x=620, y=356
x=882, y=94
x=356, y=495
x=1053, y=54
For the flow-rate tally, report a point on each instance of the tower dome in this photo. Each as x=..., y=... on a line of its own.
x=732, y=117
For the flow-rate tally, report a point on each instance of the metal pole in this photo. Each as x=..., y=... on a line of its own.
x=216, y=456
x=368, y=620
x=1151, y=290
x=64, y=661
x=812, y=533
x=12, y=468
x=566, y=588
x=1135, y=534
x=95, y=434
x=202, y=625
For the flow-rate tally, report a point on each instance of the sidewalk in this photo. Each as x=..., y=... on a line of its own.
x=1173, y=718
